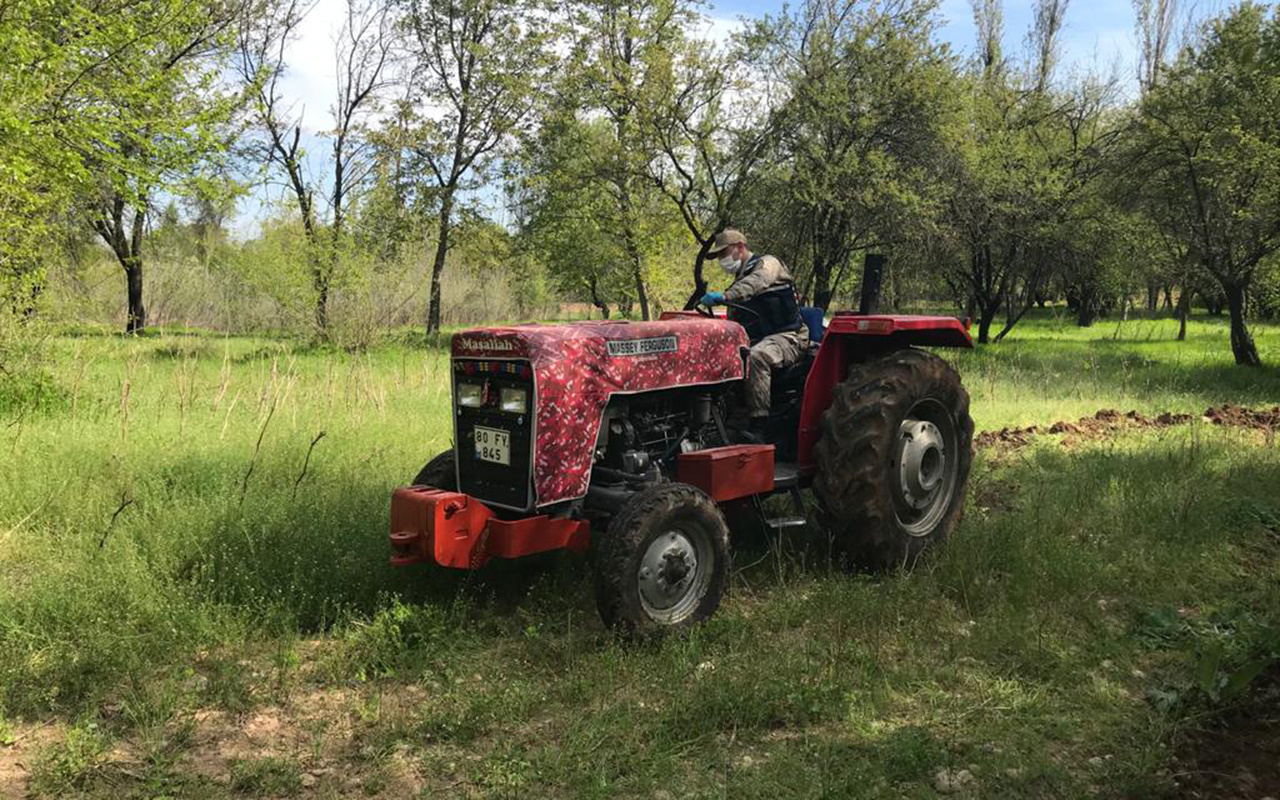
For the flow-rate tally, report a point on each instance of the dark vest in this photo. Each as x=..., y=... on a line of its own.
x=775, y=310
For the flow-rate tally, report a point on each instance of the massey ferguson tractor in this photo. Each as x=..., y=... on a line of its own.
x=618, y=439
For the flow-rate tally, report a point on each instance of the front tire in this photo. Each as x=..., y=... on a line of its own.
x=663, y=563
x=893, y=459
x=439, y=473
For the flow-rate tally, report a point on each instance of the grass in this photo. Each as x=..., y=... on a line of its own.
x=186, y=611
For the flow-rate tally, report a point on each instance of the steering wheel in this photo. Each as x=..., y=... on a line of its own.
x=708, y=311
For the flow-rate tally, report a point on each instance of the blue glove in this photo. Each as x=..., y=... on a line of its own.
x=713, y=299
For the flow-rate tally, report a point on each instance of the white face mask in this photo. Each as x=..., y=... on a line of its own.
x=729, y=265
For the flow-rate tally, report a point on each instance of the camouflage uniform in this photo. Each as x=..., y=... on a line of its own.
x=775, y=351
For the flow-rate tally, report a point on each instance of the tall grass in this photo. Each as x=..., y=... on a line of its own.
x=161, y=518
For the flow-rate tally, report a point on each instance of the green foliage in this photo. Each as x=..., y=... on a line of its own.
x=1211, y=154
x=870, y=92
x=379, y=646
x=71, y=764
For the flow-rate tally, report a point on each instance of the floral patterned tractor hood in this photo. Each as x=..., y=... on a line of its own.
x=578, y=366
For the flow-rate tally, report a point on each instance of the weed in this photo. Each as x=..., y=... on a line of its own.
x=266, y=777
x=71, y=764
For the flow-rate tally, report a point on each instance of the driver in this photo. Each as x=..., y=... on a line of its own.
x=763, y=286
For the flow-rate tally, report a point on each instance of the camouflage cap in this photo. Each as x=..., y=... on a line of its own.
x=724, y=239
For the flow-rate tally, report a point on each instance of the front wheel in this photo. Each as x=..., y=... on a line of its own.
x=439, y=473
x=663, y=563
x=893, y=458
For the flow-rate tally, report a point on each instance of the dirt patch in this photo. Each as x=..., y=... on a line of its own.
x=1239, y=757
x=16, y=758
x=1109, y=421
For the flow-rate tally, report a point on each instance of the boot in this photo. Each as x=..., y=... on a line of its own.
x=759, y=430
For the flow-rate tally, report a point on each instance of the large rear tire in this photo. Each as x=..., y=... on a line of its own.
x=663, y=563
x=439, y=473
x=893, y=459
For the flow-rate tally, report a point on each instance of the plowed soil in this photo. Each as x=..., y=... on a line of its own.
x=1109, y=421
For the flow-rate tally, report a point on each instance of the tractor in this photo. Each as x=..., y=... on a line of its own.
x=622, y=440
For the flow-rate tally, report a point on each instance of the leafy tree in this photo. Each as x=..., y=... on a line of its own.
x=105, y=103
x=170, y=109
x=621, y=66
x=1210, y=151
x=713, y=127
x=363, y=54
x=860, y=128
x=477, y=67
x=566, y=215
x=1023, y=178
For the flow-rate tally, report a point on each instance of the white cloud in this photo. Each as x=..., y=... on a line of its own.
x=311, y=76
x=719, y=29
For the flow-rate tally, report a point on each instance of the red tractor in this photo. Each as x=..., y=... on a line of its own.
x=618, y=438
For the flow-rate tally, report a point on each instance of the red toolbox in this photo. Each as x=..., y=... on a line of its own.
x=728, y=473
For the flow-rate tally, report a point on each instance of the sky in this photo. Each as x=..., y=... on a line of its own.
x=1097, y=34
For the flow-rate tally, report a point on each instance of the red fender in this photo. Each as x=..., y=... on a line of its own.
x=850, y=338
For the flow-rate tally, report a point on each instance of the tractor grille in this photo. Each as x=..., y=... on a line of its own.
x=487, y=434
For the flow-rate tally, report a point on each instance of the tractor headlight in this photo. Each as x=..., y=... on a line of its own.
x=470, y=394
x=514, y=400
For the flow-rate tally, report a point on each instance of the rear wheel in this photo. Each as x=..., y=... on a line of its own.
x=893, y=459
x=663, y=563
x=439, y=473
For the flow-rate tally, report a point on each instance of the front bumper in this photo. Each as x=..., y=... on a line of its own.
x=456, y=530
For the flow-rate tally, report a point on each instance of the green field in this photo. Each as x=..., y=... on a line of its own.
x=195, y=600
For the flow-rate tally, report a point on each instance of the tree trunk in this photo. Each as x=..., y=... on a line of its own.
x=821, y=283
x=127, y=247
x=699, y=280
x=1086, y=307
x=442, y=250
x=984, y=323
x=320, y=282
x=633, y=255
x=1012, y=317
x=1242, y=346
x=1184, y=311
x=596, y=301
x=136, y=320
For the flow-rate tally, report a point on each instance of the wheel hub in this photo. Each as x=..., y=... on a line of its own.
x=923, y=471
x=668, y=570
x=922, y=461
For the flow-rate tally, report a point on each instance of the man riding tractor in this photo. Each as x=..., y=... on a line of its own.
x=765, y=291
x=611, y=437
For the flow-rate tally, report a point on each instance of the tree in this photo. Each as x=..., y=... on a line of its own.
x=564, y=213
x=105, y=103
x=713, y=128
x=622, y=63
x=1210, y=148
x=477, y=67
x=860, y=129
x=169, y=117
x=1155, y=21
x=88, y=92
x=1022, y=180
x=363, y=54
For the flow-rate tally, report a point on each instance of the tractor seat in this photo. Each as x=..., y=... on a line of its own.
x=815, y=321
x=793, y=377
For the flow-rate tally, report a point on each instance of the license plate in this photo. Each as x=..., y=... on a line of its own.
x=493, y=445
